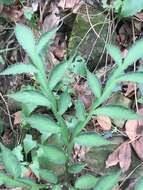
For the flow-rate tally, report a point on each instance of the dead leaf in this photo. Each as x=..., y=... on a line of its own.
x=130, y=89
x=131, y=128
x=104, y=122
x=113, y=158
x=125, y=156
x=17, y=118
x=138, y=147
x=68, y=4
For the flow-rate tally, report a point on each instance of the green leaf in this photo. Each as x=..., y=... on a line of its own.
x=94, y=84
x=45, y=39
x=132, y=77
x=6, y=2
x=18, y=152
x=91, y=139
x=25, y=38
x=80, y=110
x=30, y=97
x=131, y=7
x=53, y=154
x=139, y=184
x=19, y=68
x=29, y=143
x=140, y=100
x=48, y=176
x=57, y=74
x=43, y=124
x=76, y=168
x=134, y=53
x=10, y=161
x=118, y=112
x=64, y=102
x=2, y=60
x=108, y=182
x=57, y=187
x=115, y=53
x=87, y=181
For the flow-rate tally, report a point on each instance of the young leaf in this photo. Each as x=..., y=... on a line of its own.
x=119, y=112
x=76, y=168
x=107, y=182
x=139, y=184
x=57, y=74
x=48, y=176
x=87, y=181
x=64, y=102
x=80, y=110
x=134, y=53
x=29, y=143
x=10, y=161
x=53, y=154
x=132, y=77
x=115, y=53
x=94, y=84
x=43, y=124
x=25, y=38
x=45, y=39
x=30, y=97
x=91, y=139
x=130, y=7
x=19, y=68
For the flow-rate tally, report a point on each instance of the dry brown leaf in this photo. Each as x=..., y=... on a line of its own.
x=130, y=89
x=131, y=128
x=104, y=122
x=113, y=158
x=138, y=147
x=68, y=4
x=125, y=156
x=17, y=118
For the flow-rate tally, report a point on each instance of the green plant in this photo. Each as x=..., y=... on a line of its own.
x=43, y=151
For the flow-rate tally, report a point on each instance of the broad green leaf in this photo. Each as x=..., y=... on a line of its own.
x=134, y=53
x=18, y=152
x=10, y=161
x=35, y=166
x=76, y=168
x=64, y=102
x=57, y=187
x=29, y=143
x=30, y=97
x=9, y=182
x=140, y=100
x=94, y=84
x=48, y=176
x=132, y=77
x=57, y=74
x=25, y=38
x=80, y=110
x=108, y=182
x=19, y=68
x=87, y=181
x=43, y=124
x=115, y=53
x=118, y=112
x=45, y=39
x=53, y=154
x=131, y=7
x=91, y=139
x=139, y=184
x=6, y=2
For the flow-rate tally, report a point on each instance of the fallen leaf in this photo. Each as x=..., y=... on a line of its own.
x=125, y=156
x=131, y=128
x=17, y=118
x=104, y=122
x=68, y=4
x=113, y=158
x=138, y=147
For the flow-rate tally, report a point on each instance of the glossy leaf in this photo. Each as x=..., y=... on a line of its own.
x=108, y=182
x=10, y=161
x=139, y=184
x=45, y=39
x=94, y=84
x=53, y=154
x=19, y=68
x=48, y=176
x=76, y=168
x=87, y=181
x=119, y=112
x=43, y=124
x=91, y=139
x=25, y=38
x=132, y=77
x=30, y=97
x=115, y=53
